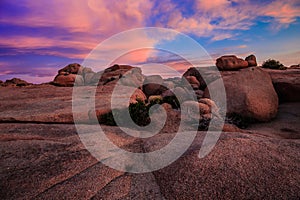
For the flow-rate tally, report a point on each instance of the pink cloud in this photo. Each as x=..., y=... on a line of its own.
x=211, y=4
x=84, y=16
x=284, y=12
x=87, y=23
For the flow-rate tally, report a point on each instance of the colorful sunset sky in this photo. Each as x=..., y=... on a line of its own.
x=40, y=37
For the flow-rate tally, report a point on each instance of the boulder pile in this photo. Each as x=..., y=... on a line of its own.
x=77, y=75
x=249, y=89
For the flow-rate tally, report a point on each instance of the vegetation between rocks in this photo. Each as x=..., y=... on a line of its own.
x=239, y=120
x=273, y=64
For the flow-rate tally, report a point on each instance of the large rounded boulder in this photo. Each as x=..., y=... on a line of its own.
x=249, y=93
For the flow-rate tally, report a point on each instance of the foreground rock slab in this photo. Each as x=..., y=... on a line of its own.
x=48, y=161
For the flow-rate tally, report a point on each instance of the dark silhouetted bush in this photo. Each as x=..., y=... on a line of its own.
x=273, y=64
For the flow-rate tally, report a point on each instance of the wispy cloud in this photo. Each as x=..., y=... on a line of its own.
x=219, y=19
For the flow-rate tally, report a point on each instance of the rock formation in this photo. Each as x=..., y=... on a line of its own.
x=286, y=84
x=230, y=62
x=71, y=75
x=15, y=82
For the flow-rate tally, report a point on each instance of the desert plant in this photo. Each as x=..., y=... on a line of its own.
x=139, y=113
x=273, y=64
x=239, y=120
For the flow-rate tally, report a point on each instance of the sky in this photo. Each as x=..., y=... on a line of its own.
x=37, y=38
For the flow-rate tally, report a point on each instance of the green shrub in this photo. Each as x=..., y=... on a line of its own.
x=273, y=64
x=139, y=113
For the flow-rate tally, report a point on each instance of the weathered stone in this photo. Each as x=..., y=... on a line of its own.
x=286, y=84
x=68, y=80
x=251, y=60
x=15, y=82
x=153, y=85
x=204, y=75
x=192, y=80
x=230, y=62
x=249, y=93
x=74, y=68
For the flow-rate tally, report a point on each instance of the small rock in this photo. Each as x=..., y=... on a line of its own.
x=251, y=60
x=204, y=109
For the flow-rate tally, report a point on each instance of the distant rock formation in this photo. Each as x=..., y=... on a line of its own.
x=72, y=75
x=77, y=75
x=231, y=62
x=128, y=75
x=295, y=66
x=14, y=82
